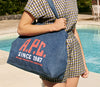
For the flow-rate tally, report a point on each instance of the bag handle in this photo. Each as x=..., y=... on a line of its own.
x=51, y=4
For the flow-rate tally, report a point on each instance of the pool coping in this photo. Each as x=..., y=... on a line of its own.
x=93, y=77
x=14, y=35
x=87, y=26
x=8, y=81
x=78, y=26
x=3, y=57
x=8, y=36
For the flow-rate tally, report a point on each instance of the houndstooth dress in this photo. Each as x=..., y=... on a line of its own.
x=41, y=11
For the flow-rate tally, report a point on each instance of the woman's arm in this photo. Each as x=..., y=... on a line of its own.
x=85, y=75
x=77, y=36
x=25, y=27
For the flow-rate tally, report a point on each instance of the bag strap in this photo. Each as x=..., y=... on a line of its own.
x=51, y=4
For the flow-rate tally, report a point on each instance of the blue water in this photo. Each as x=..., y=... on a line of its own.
x=6, y=44
x=90, y=40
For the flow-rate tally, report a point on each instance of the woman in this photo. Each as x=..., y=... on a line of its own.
x=40, y=11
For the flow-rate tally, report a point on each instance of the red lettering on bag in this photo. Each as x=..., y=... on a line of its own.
x=38, y=63
x=18, y=58
x=26, y=50
x=34, y=44
x=40, y=53
x=33, y=52
x=25, y=45
x=24, y=59
x=44, y=55
x=29, y=61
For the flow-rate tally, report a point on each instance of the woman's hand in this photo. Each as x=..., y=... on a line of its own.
x=86, y=73
x=59, y=24
x=25, y=27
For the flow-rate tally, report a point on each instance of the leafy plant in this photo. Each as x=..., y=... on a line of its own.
x=17, y=6
x=12, y=6
x=84, y=5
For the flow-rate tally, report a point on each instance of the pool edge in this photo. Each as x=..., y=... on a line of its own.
x=3, y=57
x=8, y=36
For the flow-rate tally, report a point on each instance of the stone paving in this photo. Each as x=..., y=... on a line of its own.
x=11, y=76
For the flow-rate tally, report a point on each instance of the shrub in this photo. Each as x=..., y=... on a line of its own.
x=12, y=6
x=84, y=5
x=17, y=6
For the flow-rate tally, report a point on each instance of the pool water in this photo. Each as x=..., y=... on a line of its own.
x=6, y=44
x=90, y=39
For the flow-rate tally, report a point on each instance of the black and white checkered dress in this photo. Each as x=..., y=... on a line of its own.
x=41, y=11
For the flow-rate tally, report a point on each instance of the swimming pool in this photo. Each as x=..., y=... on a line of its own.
x=90, y=39
x=6, y=44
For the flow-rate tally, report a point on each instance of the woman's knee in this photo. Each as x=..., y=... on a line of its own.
x=47, y=83
x=52, y=84
x=72, y=82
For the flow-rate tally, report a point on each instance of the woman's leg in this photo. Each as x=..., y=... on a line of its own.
x=51, y=84
x=72, y=82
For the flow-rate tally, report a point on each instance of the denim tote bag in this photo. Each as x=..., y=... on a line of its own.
x=45, y=54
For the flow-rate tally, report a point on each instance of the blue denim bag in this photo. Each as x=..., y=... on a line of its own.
x=45, y=54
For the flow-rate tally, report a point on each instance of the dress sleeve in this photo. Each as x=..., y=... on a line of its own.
x=35, y=8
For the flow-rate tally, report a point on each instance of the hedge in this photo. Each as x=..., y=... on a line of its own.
x=12, y=6
x=8, y=7
x=84, y=5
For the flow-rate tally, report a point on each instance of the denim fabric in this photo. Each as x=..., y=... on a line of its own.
x=51, y=4
x=45, y=54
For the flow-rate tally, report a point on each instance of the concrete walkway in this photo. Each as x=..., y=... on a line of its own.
x=11, y=76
